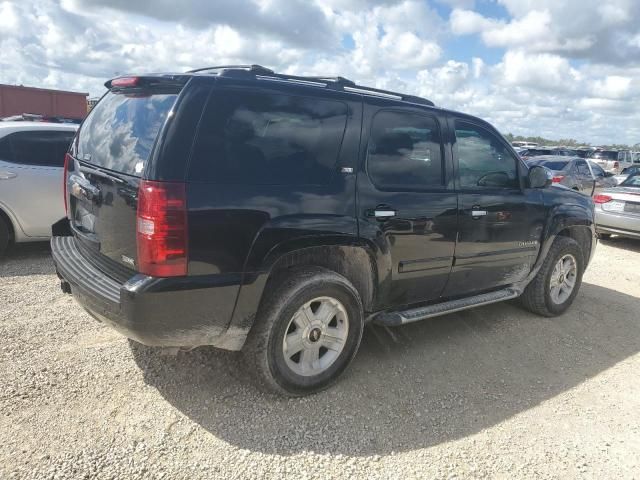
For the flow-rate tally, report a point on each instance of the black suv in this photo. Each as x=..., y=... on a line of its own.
x=276, y=214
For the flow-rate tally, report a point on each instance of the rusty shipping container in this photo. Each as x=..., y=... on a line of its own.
x=15, y=100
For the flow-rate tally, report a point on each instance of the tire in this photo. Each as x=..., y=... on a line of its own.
x=538, y=297
x=4, y=236
x=309, y=288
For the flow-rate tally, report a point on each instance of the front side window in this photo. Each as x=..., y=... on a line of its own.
x=597, y=169
x=483, y=160
x=261, y=138
x=37, y=147
x=405, y=151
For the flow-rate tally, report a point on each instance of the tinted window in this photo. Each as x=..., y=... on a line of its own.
x=268, y=139
x=483, y=160
x=121, y=129
x=36, y=147
x=404, y=151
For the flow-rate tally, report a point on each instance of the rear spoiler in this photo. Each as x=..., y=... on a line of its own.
x=147, y=81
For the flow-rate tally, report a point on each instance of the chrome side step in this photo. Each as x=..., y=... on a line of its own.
x=393, y=319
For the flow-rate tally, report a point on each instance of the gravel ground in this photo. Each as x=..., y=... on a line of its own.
x=493, y=392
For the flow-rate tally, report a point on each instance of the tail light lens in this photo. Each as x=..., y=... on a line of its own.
x=602, y=198
x=162, y=235
x=558, y=178
x=67, y=160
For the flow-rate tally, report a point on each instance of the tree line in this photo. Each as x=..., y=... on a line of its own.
x=566, y=142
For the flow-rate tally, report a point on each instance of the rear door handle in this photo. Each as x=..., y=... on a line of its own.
x=478, y=213
x=384, y=213
x=7, y=175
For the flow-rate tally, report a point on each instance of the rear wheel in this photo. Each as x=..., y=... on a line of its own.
x=306, y=332
x=4, y=236
x=554, y=288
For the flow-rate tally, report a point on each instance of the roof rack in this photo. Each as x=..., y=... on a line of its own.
x=336, y=83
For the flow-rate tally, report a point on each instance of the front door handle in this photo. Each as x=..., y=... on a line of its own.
x=382, y=212
x=7, y=175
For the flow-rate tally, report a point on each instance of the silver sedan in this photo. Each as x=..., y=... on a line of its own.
x=618, y=209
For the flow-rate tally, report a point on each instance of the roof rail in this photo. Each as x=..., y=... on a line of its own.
x=335, y=83
x=252, y=68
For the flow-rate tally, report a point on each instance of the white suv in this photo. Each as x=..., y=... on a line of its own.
x=31, y=164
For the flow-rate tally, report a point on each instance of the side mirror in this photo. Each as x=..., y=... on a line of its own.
x=608, y=174
x=540, y=177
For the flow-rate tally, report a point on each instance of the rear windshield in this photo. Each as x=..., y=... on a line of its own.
x=120, y=131
x=557, y=165
x=605, y=155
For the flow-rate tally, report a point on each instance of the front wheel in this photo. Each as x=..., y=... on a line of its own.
x=306, y=333
x=4, y=236
x=556, y=285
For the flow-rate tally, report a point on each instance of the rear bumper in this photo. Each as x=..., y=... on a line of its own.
x=607, y=222
x=172, y=312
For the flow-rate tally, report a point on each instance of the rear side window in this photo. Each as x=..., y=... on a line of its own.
x=583, y=168
x=120, y=131
x=268, y=139
x=36, y=147
x=404, y=151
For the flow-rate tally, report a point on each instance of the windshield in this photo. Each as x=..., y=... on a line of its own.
x=632, y=181
x=120, y=131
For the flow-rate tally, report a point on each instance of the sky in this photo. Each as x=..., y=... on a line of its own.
x=553, y=68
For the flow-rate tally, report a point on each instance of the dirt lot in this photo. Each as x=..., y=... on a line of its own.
x=493, y=392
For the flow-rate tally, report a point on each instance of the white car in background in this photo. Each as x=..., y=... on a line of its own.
x=31, y=165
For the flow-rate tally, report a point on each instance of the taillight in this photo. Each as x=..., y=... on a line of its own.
x=67, y=159
x=602, y=198
x=162, y=229
x=558, y=178
x=125, y=82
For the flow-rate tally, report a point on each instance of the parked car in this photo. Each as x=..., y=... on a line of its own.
x=583, y=152
x=612, y=161
x=627, y=172
x=574, y=173
x=618, y=209
x=31, y=161
x=536, y=152
x=602, y=179
x=524, y=145
x=540, y=152
x=276, y=214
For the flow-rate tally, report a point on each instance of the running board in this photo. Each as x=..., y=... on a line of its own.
x=393, y=319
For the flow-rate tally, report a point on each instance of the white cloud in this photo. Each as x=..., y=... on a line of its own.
x=566, y=68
